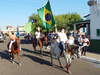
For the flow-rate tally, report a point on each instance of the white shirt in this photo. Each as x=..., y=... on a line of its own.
x=71, y=40
x=85, y=41
x=37, y=34
x=79, y=38
x=58, y=40
x=62, y=36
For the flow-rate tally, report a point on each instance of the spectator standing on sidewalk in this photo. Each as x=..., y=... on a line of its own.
x=80, y=40
x=28, y=36
x=71, y=39
x=86, y=43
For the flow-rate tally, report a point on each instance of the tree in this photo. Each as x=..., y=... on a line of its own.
x=62, y=21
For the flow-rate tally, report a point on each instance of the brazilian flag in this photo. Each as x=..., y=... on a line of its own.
x=46, y=15
x=17, y=33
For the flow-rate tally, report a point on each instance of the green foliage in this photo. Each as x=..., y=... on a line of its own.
x=62, y=21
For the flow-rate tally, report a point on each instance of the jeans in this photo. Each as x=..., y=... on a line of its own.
x=84, y=50
x=63, y=47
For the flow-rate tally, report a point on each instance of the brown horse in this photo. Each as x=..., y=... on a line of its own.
x=40, y=43
x=15, y=49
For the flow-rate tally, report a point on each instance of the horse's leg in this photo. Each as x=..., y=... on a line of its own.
x=13, y=58
x=10, y=55
x=34, y=44
x=60, y=62
x=69, y=66
x=18, y=55
x=34, y=48
x=70, y=62
x=41, y=48
x=67, y=61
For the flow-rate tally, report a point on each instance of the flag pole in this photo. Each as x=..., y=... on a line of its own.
x=19, y=36
x=98, y=8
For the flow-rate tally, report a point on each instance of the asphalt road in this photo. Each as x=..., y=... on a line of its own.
x=34, y=64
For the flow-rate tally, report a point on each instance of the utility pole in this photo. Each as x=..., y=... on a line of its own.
x=0, y=30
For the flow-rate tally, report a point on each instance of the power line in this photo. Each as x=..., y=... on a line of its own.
x=35, y=4
x=14, y=9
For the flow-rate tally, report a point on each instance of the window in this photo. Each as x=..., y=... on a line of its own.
x=98, y=32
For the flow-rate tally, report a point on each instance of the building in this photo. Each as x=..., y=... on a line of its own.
x=9, y=28
x=21, y=27
x=95, y=20
x=92, y=25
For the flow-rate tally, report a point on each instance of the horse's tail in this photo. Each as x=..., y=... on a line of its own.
x=8, y=45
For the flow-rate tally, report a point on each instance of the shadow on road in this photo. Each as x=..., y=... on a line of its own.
x=26, y=42
x=4, y=55
x=45, y=53
x=42, y=61
x=26, y=50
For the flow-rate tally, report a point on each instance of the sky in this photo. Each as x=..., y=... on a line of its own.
x=13, y=12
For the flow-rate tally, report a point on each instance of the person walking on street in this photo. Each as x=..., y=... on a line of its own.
x=86, y=43
x=28, y=36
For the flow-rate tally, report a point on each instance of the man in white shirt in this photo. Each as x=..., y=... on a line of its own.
x=80, y=40
x=38, y=34
x=62, y=38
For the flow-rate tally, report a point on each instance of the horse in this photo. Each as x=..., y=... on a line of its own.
x=15, y=49
x=71, y=50
x=40, y=43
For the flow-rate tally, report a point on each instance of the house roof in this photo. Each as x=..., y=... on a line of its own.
x=82, y=22
x=20, y=26
x=87, y=15
x=9, y=26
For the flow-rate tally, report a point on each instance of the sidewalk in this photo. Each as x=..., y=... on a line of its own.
x=92, y=57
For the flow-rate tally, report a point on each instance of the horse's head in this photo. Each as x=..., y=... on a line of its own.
x=75, y=49
x=17, y=41
x=78, y=52
x=45, y=39
x=34, y=36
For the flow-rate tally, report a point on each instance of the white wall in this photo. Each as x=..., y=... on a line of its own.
x=94, y=22
x=21, y=28
x=10, y=29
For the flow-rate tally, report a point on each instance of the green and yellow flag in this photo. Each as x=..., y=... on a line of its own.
x=29, y=27
x=46, y=15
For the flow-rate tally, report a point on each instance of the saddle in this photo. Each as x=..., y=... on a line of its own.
x=69, y=49
x=60, y=46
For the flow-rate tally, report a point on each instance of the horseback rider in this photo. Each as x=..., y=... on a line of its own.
x=12, y=40
x=62, y=38
x=37, y=33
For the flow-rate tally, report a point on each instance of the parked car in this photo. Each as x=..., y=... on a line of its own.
x=1, y=38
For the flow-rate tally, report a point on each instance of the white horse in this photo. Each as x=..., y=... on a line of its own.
x=72, y=49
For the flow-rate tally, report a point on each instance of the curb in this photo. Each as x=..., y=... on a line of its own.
x=90, y=60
